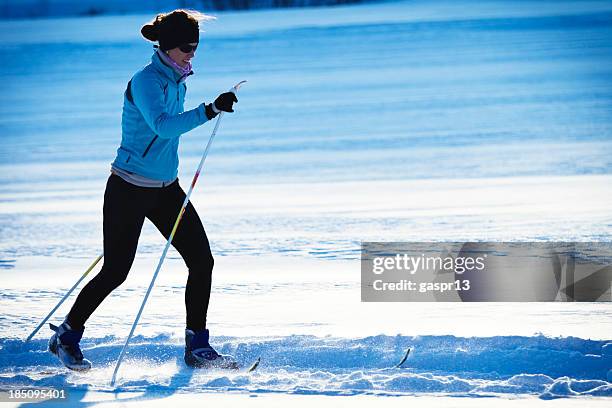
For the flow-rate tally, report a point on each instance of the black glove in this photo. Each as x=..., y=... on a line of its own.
x=224, y=102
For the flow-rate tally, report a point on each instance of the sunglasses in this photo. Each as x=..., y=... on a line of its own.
x=187, y=48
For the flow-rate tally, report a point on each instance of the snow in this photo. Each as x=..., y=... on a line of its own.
x=403, y=121
x=300, y=364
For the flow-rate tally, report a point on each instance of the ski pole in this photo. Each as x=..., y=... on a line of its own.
x=95, y=262
x=176, y=223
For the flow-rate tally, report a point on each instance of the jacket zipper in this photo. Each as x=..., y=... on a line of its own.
x=149, y=146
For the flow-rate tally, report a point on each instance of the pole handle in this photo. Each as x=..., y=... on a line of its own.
x=235, y=88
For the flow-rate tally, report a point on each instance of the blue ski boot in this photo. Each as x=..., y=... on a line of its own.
x=200, y=354
x=65, y=345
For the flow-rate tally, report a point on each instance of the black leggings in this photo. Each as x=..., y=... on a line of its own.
x=125, y=208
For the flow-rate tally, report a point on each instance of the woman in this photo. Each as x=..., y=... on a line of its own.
x=143, y=184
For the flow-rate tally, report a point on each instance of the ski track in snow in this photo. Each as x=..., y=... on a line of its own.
x=475, y=367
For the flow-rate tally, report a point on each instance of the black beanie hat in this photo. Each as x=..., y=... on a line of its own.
x=172, y=30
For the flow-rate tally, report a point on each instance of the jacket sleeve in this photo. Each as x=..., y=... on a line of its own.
x=148, y=95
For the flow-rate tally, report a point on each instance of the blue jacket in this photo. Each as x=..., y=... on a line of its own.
x=153, y=121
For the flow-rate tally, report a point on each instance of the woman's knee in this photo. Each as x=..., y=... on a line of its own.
x=202, y=264
x=207, y=262
x=112, y=277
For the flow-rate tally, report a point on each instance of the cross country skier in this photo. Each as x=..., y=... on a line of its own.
x=143, y=184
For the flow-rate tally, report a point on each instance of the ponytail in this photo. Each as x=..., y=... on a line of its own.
x=150, y=31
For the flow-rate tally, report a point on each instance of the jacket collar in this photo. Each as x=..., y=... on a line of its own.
x=167, y=70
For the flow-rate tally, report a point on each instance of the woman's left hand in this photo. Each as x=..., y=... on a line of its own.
x=225, y=102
